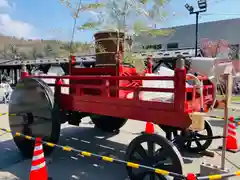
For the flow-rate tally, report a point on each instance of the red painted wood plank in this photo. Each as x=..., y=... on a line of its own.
x=131, y=110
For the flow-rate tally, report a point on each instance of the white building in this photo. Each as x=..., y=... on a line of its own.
x=184, y=36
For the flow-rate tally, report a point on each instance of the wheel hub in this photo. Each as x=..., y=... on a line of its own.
x=33, y=103
x=28, y=119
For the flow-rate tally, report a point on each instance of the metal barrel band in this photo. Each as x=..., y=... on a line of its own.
x=100, y=157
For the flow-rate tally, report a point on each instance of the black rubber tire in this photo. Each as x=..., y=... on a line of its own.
x=172, y=133
x=205, y=145
x=168, y=150
x=108, y=123
x=41, y=113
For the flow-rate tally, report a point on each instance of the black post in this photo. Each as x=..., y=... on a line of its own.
x=15, y=76
x=202, y=4
x=196, y=34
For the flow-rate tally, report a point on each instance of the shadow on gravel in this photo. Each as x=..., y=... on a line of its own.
x=9, y=154
x=217, y=122
x=64, y=165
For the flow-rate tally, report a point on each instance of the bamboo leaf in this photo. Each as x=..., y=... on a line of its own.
x=139, y=26
x=138, y=63
x=160, y=32
x=92, y=6
x=142, y=11
x=95, y=5
x=89, y=25
x=161, y=2
x=143, y=1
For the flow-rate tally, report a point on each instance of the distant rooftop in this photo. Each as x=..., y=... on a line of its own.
x=233, y=20
x=185, y=34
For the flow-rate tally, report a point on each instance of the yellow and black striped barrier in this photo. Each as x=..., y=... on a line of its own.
x=128, y=164
x=219, y=176
x=99, y=157
x=3, y=114
x=236, y=119
x=216, y=117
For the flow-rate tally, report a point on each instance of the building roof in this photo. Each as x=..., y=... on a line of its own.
x=225, y=29
x=225, y=21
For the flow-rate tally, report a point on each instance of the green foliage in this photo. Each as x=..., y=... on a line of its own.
x=161, y=2
x=24, y=55
x=93, y=6
x=143, y=1
x=121, y=15
x=89, y=25
x=137, y=17
x=30, y=49
x=129, y=58
x=159, y=32
x=140, y=27
x=158, y=2
x=126, y=15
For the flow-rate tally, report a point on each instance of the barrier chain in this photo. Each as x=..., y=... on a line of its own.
x=219, y=176
x=236, y=120
x=113, y=160
x=2, y=114
x=217, y=117
x=99, y=157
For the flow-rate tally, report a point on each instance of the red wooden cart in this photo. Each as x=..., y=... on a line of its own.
x=101, y=93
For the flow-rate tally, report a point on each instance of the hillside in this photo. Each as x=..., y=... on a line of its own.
x=11, y=47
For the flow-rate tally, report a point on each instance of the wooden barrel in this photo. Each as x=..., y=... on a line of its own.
x=106, y=47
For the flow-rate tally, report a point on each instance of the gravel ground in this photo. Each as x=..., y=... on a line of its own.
x=68, y=165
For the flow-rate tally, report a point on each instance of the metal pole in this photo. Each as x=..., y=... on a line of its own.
x=196, y=34
x=225, y=127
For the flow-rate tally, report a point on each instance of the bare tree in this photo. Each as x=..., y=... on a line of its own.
x=23, y=55
x=128, y=16
x=214, y=48
x=34, y=52
x=9, y=51
x=37, y=52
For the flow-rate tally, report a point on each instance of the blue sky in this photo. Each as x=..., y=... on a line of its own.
x=50, y=19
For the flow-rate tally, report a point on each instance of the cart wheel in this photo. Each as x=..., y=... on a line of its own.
x=36, y=115
x=198, y=145
x=169, y=131
x=108, y=123
x=154, y=151
x=179, y=138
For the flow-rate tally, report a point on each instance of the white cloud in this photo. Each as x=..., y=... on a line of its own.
x=4, y=4
x=12, y=27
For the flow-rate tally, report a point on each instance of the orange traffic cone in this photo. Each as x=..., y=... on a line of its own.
x=59, y=82
x=191, y=176
x=149, y=128
x=38, y=169
x=232, y=142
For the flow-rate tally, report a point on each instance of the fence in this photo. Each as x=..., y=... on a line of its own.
x=190, y=176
